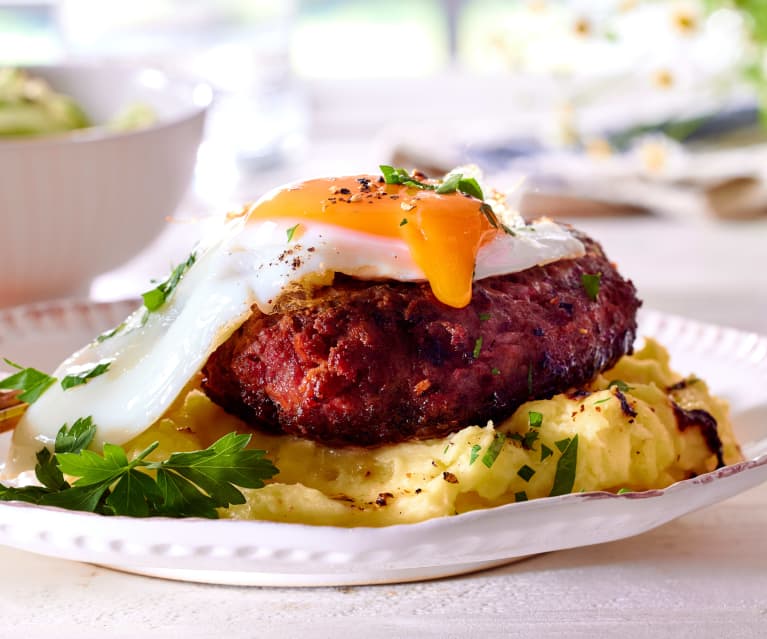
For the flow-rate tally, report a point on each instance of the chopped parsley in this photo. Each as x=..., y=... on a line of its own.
x=535, y=419
x=156, y=298
x=70, y=381
x=495, y=371
x=526, y=472
x=488, y=212
x=191, y=484
x=451, y=183
x=591, y=283
x=546, y=452
x=477, y=347
x=474, y=453
x=492, y=452
x=483, y=317
x=623, y=491
x=470, y=186
x=109, y=334
x=291, y=231
x=527, y=440
x=564, y=476
x=393, y=175
x=531, y=436
x=622, y=386
x=562, y=444
x=520, y=496
x=403, y=222
x=601, y=401
x=30, y=381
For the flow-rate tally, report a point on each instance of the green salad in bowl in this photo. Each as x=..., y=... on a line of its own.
x=30, y=107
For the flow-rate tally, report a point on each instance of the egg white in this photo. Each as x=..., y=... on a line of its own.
x=239, y=266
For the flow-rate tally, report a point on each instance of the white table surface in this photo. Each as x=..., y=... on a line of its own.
x=704, y=575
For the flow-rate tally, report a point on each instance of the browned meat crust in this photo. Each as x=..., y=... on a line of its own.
x=374, y=363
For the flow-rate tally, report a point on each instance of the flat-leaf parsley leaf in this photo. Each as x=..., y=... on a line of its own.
x=30, y=381
x=191, y=484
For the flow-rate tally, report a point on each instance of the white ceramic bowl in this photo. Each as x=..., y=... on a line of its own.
x=77, y=204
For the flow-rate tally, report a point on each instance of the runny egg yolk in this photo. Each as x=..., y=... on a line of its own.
x=442, y=231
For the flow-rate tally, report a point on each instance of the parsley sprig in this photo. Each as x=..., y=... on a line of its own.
x=192, y=484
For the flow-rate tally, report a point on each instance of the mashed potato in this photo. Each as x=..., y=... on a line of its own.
x=629, y=436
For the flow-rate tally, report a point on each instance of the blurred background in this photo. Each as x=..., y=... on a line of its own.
x=641, y=121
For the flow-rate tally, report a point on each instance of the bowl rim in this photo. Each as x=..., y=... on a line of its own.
x=198, y=107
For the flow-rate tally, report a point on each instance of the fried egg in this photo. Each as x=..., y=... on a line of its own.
x=304, y=232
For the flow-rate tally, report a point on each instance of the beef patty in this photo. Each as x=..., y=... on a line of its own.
x=369, y=363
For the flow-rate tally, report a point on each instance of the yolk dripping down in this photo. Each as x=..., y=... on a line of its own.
x=442, y=231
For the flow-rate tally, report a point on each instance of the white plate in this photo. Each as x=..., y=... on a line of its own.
x=265, y=553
